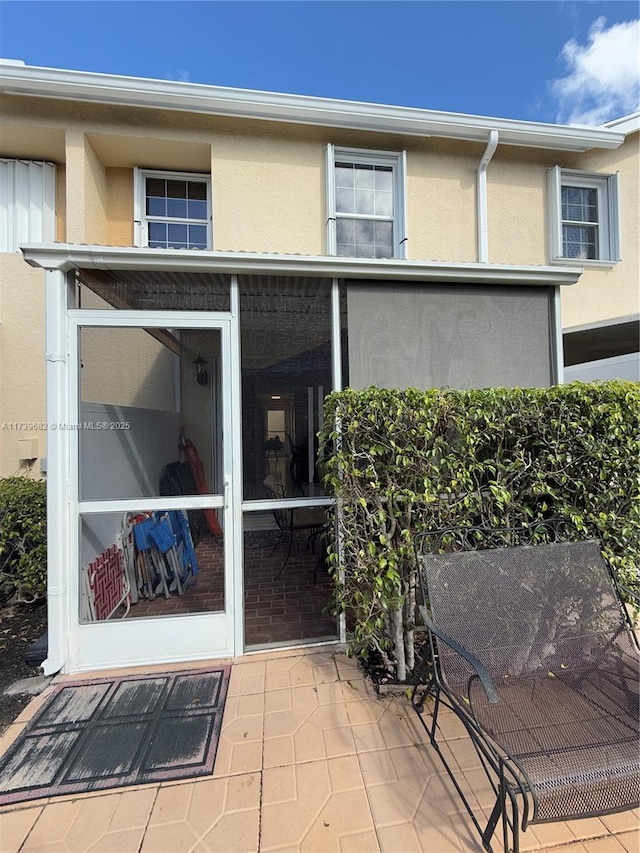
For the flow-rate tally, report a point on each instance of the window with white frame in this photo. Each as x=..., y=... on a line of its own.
x=584, y=213
x=365, y=203
x=173, y=210
x=27, y=203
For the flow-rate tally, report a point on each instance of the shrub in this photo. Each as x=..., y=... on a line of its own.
x=410, y=461
x=23, y=531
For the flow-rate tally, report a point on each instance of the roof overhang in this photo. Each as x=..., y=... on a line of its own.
x=625, y=124
x=298, y=109
x=606, y=339
x=60, y=256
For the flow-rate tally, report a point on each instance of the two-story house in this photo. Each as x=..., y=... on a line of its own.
x=205, y=264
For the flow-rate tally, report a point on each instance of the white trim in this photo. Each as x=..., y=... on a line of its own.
x=394, y=160
x=403, y=237
x=266, y=504
x=330, y=199
x=557, y=348
x=311, y=456
x=336, y=367
x=482, y=216
x=236, y=537
x=139, y=236
x=67, y=256
x=554, y=182
x=89, y=87
x=603, y=362
x=27, y=202
x=97, y=507
x=625, y=124
x=336, y=337
x=148, y=319
x=102, y=644
x=140, y=217
x=599, y=324
x=587, y=263
x=626, y=366
x=123, y=642
x=58, y=485
x=608, y=227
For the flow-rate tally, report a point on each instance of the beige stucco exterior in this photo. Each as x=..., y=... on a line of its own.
x=22, y=364
x=268, y=188
x=608, y=294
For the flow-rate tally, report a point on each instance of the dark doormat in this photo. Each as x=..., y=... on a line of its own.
x=112, y=732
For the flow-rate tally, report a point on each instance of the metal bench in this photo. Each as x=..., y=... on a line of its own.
x=531, y=646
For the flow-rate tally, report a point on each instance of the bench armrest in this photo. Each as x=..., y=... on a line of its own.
x=480, y=669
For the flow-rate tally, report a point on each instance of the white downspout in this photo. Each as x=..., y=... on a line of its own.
x=57, y=486
x=481, y=198
x=557, y=346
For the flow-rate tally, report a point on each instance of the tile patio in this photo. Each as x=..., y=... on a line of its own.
x=309, y=760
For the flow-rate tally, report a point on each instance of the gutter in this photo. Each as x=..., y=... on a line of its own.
x=64, y=257
x=481, y=198
x=57, y=479
x=625, y=124
x=89, y=87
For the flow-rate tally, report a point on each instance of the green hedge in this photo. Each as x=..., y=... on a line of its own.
x=412, y=461
x=23, y=538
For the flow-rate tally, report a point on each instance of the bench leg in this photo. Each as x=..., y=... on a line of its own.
x=510, y=822
x=490, y=828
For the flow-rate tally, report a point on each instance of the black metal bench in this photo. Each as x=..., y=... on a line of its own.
x=529, y=643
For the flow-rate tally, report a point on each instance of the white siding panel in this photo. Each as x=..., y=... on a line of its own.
x=27, y=203
x=618, y=367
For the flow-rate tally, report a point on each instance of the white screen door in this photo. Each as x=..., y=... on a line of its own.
x=150, y=485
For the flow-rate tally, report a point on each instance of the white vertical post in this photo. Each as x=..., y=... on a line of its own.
x=336, y=336
x=320, y=405
x=234, y=549
x=557, y=347
x=336, y=372
x=330, y=200
x=59, y=525
x=310, y=433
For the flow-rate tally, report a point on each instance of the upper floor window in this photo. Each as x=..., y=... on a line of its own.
x=173, y=210
x=365, y=203
x=584, y=212
x=27, y=203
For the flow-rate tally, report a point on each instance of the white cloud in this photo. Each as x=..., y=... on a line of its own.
x=180, y=76
x=604, y=75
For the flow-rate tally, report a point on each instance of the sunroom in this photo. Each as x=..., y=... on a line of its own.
x=187, y=511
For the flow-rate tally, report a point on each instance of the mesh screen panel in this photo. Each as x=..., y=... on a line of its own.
x=430, y=336
x=546, y=623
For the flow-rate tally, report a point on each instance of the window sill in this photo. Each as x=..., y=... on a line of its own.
x=584, y=262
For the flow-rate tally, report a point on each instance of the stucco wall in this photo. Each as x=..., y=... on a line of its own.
x=268, y=183
x=75, y=162
x=517, y=207
x=441, y=199
x=22, y=365
x=266, y=194
x=119, y=207
x=268, y=186
x=610, y=293
x=95, y=197
x=61, y=202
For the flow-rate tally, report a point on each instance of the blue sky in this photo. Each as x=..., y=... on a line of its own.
x=541, y=61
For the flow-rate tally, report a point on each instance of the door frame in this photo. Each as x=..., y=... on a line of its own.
x=161, y=639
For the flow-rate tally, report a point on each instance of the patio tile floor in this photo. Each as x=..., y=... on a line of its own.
x=281, y=605
x=309, y=760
